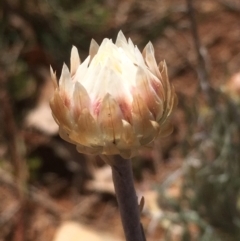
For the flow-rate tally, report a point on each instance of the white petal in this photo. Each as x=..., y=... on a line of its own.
x=148, y=54
x=164, y=75
x=82, y=70
x=142, y=124
x=157, y=85
x=120, y=39
x=93, y=48
x=130, y=43
x=86, y=132
x=53, y=77
x=128, y=138
x=63, y=134
x=139, y=57
x=144, y=88
x=169, y=105
x=118, y=87
x=74, y=61
x=97, y=84
x=153, y=132
x=170, y=97
x=81, y=99
x=65, y=82
x=60, y=109
x=109, y=120
x=105, y=42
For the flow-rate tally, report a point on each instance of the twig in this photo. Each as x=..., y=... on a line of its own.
x=203, y=74
x=33, y=194
x=233, y=5
x=127, y=199
x=11, y=132
x=18, y=162
x=81, y=207
x=8, y=214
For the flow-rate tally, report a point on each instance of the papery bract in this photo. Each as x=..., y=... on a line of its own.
x=116, y=102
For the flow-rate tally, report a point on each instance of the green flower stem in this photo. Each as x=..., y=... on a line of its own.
x=127, y=198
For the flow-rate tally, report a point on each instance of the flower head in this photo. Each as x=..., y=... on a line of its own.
x=115, y=102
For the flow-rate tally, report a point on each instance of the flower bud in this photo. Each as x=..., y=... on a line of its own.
x=115, y=102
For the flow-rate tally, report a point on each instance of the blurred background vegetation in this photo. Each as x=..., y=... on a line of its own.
x=190, y=181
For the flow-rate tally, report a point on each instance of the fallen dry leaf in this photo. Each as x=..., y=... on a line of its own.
x=73, y=231
x=40, y=117
x=102, y=180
